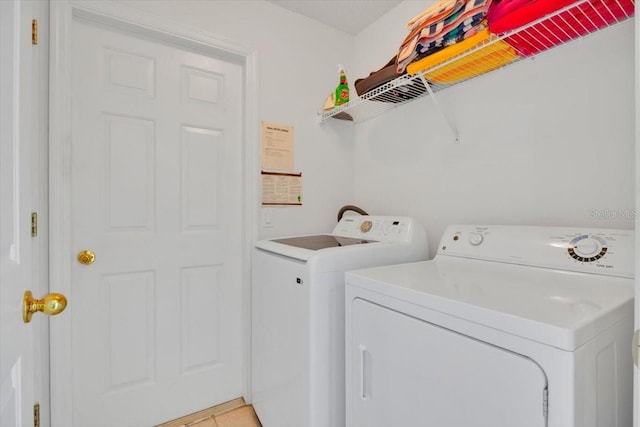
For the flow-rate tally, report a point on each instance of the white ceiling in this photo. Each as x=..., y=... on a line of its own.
x=350, y=16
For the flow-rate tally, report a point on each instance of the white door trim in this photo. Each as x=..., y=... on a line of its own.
x=122, y=16
x=636, y=371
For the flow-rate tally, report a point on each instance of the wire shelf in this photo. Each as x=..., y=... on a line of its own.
x=437, y=72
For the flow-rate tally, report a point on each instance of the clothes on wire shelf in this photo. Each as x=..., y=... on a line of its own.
x=453, y=40
x=450, y=27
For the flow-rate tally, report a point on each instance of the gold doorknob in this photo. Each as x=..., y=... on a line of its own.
x=86, y=257
x=51, y=304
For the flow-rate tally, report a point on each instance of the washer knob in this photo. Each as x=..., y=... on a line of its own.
x=366, y=226
x=475, y=238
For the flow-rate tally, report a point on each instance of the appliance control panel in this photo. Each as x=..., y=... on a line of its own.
x=589, y=250
x=376, y=227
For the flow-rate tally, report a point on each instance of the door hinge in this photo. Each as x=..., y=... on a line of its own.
x=36, y=415
x=34, y=224
x=545, y=403
x=634, y=347
x=34, y=31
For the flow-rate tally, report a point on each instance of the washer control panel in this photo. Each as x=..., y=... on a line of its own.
x=475, y=238
x=602, y=251
x=376, y=227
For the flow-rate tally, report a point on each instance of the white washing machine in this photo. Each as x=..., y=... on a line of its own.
x=298, y=314
x=505, y=327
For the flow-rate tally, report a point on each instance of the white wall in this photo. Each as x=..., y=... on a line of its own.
x=548, y=141
x=378, y=43
x=297, y=69
x=545, y=141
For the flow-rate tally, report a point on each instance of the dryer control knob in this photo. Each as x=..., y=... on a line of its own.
x=587, y=247
x=475, y=238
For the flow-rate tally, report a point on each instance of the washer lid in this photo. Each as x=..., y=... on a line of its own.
x=320, y=241
x=303, y=248
x=558, y=308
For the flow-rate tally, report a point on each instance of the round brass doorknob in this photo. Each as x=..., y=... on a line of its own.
x=86, y=257
x=51, y=304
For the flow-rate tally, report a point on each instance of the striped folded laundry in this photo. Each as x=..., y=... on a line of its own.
x=463, y=31
x=472, y=9
x=436, y=12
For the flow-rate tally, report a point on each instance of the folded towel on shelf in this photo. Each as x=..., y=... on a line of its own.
x=377, y=79
x=490, y=54
x=507, y=15
x=572, y=23
x=473, y=11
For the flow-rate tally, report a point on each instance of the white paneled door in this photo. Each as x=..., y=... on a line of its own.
x=155, y=170
x=20, y=343
x=17, y=340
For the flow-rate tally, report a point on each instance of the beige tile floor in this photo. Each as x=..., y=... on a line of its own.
x=235, y=413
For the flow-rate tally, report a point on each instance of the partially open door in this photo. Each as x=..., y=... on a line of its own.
x=24, y=353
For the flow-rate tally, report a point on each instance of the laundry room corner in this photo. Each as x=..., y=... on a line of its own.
x=320, y=213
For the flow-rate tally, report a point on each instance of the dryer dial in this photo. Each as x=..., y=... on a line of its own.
x=587, y=248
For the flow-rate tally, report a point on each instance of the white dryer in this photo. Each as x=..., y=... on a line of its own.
x=506, y=327
x=298, y=314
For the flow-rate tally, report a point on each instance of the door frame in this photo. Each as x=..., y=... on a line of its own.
x=636, y=371
x=125, y=17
